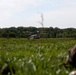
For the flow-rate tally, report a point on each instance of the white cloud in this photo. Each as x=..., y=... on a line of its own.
x=64, y=12
x=9, y=7
x=61, y=18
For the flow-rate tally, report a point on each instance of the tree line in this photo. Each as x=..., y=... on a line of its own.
x=25, y=32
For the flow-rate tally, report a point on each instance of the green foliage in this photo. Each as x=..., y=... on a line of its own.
x=25, y=32
x=36, y=56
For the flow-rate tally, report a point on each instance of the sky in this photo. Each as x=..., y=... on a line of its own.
x=26, y=13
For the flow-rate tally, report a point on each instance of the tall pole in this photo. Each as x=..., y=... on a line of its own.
x=42, y=20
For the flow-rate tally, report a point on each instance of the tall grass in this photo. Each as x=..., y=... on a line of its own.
x=36, y=56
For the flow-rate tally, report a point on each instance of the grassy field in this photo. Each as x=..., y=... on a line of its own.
x=36, y=56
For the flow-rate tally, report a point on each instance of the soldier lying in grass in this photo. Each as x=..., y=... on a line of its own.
x=71, y=59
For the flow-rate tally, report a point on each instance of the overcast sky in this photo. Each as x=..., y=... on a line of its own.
x=56, y=13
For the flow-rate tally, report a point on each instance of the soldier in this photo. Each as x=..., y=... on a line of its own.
x=71, y=59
